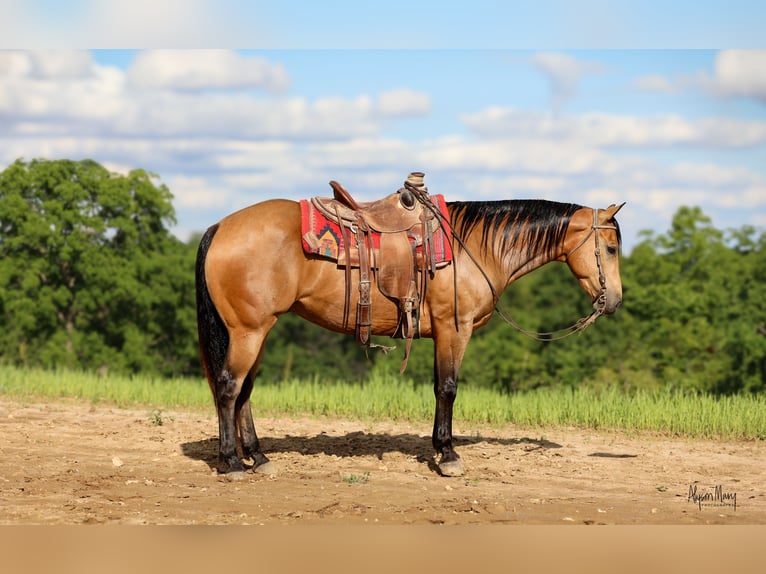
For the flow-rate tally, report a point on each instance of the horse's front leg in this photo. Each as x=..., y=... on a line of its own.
x=449, y=461
x=447, y=359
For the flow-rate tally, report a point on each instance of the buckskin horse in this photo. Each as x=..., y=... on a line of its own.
x=252, y=267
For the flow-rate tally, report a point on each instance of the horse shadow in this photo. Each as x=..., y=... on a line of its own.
x=359, y=443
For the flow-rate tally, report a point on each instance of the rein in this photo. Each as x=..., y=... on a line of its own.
x=577, y=327
x=581, y=324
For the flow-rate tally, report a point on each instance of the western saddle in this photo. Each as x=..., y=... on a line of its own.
x=402, y=264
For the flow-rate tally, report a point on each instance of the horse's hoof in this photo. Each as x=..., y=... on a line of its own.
x=266, y=468
x=451, y=468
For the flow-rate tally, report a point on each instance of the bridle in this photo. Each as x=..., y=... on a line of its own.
x=585, y=322
x=601, y=298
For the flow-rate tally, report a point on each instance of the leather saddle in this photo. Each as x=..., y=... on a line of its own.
x=401, y=266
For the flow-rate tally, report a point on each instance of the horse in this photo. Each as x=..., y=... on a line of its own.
x=251, y=268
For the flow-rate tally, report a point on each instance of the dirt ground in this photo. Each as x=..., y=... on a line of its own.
x=66, y=462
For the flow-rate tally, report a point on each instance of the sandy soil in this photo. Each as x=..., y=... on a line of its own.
x=68, y=462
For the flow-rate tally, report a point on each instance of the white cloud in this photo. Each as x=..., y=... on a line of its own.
x=197, y=192
x=564, y=73
x=58, y=91
x=736, y=73
x=595, y=129
x=93, y=99
x=512, y=155
x=740, y=73
x=403, y=103
x=372, y=151
x=205, y=69
x=46, y=64
x=118, y=24
x=713, y=176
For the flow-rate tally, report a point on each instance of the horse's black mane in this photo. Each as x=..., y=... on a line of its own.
x=538, y=225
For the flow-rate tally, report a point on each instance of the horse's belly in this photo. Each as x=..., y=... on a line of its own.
x=324, y=300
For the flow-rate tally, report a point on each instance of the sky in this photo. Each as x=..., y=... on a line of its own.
x=488, y=107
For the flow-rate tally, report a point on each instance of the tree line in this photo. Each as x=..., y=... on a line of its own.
x=92, y=278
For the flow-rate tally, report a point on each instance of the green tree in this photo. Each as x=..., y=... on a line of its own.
x=694, y=317
x=695, y=300
x=90, y=276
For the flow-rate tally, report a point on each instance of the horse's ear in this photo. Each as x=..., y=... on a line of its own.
x=612, y=210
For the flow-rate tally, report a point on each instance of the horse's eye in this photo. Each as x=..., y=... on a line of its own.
x=611, y=250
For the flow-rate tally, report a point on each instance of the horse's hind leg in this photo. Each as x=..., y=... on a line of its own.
x=251, y=447
x=241, y=356
x=227, y=388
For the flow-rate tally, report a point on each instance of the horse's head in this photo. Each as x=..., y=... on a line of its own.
x=592, y=250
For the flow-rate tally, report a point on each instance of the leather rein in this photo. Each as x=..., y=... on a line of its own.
x=581, y=324
x=578, y=327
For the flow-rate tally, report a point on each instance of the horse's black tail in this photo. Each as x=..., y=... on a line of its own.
x=212, y=333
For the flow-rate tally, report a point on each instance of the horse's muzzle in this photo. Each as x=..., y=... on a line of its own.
x=610, y=304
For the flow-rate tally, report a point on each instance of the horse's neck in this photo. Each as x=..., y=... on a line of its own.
x=500, y=272
x=499, y=269
x=519, y=264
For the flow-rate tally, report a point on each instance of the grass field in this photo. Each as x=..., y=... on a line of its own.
x=397, y=398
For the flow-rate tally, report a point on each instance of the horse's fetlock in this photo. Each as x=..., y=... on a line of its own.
x=230, y=463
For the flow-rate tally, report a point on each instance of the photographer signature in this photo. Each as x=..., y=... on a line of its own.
x=716, y=498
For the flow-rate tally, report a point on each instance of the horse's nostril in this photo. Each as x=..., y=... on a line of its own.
x=613, y=307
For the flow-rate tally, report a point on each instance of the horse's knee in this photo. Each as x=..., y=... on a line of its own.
x=450, y=386
x=227, y=389
x=446, y=389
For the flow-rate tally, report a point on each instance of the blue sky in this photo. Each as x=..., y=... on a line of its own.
x=555, y=116
x=298, y=24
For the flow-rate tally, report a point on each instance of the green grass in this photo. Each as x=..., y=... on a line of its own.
x=356, y=479
x=396, y=398
x=121, y=390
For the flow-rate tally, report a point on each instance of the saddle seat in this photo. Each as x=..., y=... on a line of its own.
x=395, y=213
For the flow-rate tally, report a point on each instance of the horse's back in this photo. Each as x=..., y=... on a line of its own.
x=261, y=220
